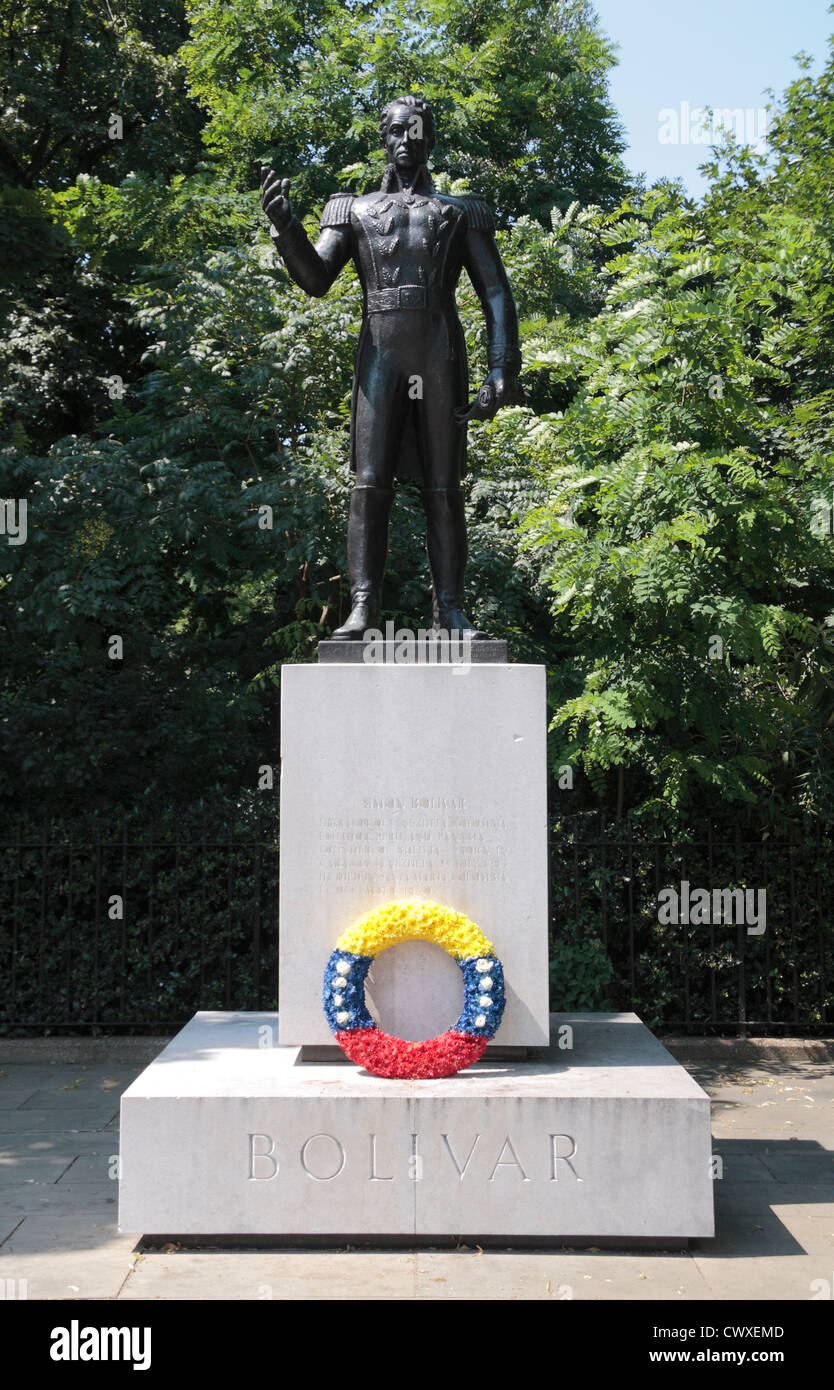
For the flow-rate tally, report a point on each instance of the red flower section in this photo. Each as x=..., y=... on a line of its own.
x=411, y=1061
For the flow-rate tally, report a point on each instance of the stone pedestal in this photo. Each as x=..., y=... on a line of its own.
x=606, y=1138
x=427, y=781
x=403, y=781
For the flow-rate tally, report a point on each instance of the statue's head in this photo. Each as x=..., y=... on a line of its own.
x=407, y=132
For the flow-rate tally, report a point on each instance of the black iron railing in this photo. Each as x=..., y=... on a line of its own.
x=133, y=934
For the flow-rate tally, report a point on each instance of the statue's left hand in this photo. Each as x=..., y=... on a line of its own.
x=507, y=389
x=500, y=388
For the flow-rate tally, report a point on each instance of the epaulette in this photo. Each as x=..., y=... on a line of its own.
x=336, y=211
x=478, y=215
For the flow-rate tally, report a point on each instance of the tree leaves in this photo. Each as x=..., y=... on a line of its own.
x=688, y=579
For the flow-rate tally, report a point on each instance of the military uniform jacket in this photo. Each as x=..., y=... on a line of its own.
x=409, y=246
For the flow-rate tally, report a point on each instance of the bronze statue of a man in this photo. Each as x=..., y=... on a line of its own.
x=408, y=415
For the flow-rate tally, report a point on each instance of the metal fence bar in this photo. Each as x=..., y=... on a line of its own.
x=820, y=931
x=229, y=894
x=741, y=941
x=710, y=884
x=794, y=965
x=768, y=980
x=630, y=898
x=256, y=930
x=96, y=926
x=70, y=908
x=42, y=932
x=123, y=962
x=15, y=915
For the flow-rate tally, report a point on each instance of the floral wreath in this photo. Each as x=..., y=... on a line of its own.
x=363, y=1041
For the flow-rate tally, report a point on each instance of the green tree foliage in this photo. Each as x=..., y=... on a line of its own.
x=90, y=92
x=68, y=68
x=687, y=536
x=197, y=511
x=519, y=89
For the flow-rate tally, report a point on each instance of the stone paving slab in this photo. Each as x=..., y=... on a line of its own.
x=814, y=1233
x=51, y=1073
x=67, y=1231
x=56, y=1198
x=54, y=1154
x=58, y=1139
x=13, y=1099
x=72, y=1099
x=91, y=1170
x=557, y=1276
x=92, y=1272
x=821, y=1212
x=11, y=1179
x=303, y=1275
x=43, y=1121
x=57, y=1158
x=815, y=1168
x=800, y=1197
x=9, y=1222
x=740, y=1168
x=777, y=1280
x=733, y=1144
x=83, y=1051
x=806, y=1129
x=431, y=1275
x=743, y=1232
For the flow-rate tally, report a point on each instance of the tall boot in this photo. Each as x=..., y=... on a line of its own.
x=447, y=549
x=367, y=547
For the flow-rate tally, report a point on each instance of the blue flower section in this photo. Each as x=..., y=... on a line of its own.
x=348, y=986
x=483, y=1004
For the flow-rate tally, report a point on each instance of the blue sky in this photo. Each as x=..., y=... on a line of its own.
x=679, y=55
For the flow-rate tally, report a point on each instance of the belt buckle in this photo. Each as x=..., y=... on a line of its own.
x=412, y=297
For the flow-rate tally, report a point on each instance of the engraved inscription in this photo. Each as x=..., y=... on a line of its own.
x=510, y=1162
x=375, y=1176
x=461, y=1169
x=323, y=1157
x=409, y=841
x=558, y=1141
x=262, y=1158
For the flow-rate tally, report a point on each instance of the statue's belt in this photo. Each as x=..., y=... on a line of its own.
x=432, y=298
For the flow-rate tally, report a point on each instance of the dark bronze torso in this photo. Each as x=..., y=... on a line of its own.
x=409, y=409
x=409, y=247
x=406, y=239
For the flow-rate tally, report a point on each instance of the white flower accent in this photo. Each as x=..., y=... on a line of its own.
x=343, y=967
x=481, y=966
x=485, y=1002
x=342, y=1017
x=337, y=1000
x=487, y=982
x=480, y=1020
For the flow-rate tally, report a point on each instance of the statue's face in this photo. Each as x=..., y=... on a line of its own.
x=405, y=143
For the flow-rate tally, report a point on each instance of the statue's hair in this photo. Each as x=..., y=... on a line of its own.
x=420, y=107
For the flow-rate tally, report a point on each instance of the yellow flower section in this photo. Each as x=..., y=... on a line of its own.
x=415, y=921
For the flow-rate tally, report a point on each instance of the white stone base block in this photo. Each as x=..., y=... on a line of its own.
x=413, y=781
x=227, y=1134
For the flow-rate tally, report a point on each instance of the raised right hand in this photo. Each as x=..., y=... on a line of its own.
x=275, y=198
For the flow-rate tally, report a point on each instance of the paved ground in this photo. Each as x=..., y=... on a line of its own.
x=773, y=1133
